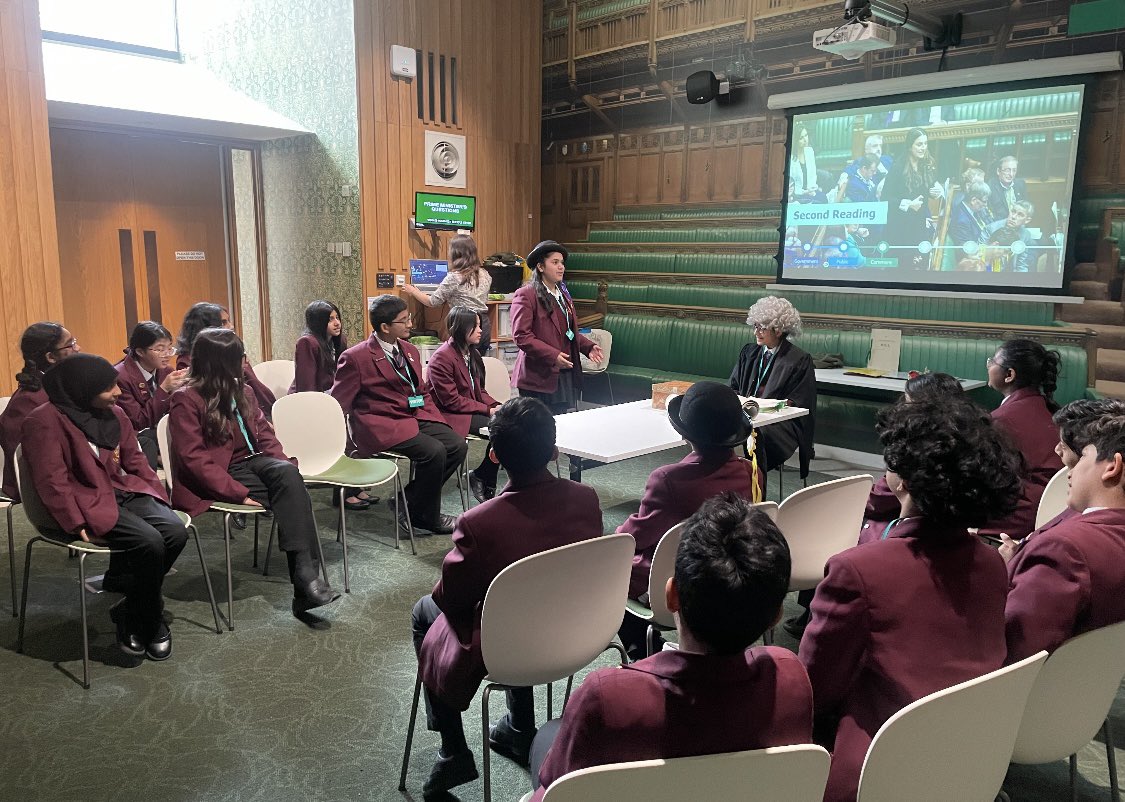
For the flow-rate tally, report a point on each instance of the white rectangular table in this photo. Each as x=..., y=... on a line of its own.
x=623, y=431
x=836, y=376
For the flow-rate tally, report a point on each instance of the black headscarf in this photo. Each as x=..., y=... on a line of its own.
x=72, y=384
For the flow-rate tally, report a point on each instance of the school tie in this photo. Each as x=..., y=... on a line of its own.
x=397, y=360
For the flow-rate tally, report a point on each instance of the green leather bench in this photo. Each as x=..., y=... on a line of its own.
x=703, y=234
x=648, y=350
x=697, y=213
x=725, y=264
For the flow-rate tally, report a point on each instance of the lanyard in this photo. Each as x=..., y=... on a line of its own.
x=890, y=526
x=406, y=379
x=762, y=372
x=469, y=370
x=245, y=434
x=562, y=307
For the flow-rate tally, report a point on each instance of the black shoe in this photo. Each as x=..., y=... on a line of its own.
x=238, y=520
x=444, y=526
x=160, y=647
x=312, y=594
x=449, y=772
x=127, y=641
x=506, y=740
x=358, y=504
x=481, y=491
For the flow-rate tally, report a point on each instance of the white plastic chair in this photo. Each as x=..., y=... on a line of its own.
x=164, y=443
x=604, y=339
x=311, y=427
x=277, y=374
x=793, y=773
x=661, y=569
x=1053, y=500
x=821, y=521
x=497, y=380
x=544, y=618
x=48, y=531
x=952, y=744
x=8, y=505
x=1071, y=700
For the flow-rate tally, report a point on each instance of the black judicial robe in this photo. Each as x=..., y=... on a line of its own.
x=790, y=376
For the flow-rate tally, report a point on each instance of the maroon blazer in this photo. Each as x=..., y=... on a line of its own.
x=893, y=621
x=1067, y=577
x=1024, y=417
x=540, y=333
x=673, y=493
x=456, y=394
x=11, y=430
x=144, y=407
x=678, y=704
x=262, y=394
x=76, y=485
x=311, y=375
x=489, y=538
x=202, y=470
x=375, y=396
x=883, y=507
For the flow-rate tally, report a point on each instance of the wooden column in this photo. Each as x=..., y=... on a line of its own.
x=30, y=287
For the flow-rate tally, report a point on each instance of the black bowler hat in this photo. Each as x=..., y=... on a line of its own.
x=709, y=414
x=540, y=252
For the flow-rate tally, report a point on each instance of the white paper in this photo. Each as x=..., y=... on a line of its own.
x=886, y=344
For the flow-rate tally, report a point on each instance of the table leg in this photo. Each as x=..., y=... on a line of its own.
x=575, y=468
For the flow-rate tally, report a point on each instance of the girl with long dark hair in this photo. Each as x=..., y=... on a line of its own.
x=42, y=345
x=95, y=482
x=224, y=449
x=456, y=377
x=205, y=315
x=545, y=327
x=147, y=383
x=466, y=284
x=911, y=183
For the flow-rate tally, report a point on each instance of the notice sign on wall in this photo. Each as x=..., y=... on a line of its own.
x=191, y=256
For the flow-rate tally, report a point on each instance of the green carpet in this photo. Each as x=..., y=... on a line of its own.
x=276, y=710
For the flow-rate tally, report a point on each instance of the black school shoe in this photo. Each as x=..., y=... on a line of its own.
x=449, y=772
x=160, y=647
x=127, y=640
x=506, y=740
x=481, y=492
x=312, y=595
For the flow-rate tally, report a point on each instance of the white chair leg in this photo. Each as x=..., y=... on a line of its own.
x=23, y=603
x=487, y=776
x=410, y=729
x=85, y=633
x=230, y=581
x=342, y=534
x=206, y=578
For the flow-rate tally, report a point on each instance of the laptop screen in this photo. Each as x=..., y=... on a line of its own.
x=426, y=274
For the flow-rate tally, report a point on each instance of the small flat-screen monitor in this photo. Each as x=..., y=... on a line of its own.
x=426, y=274
x=444, y=212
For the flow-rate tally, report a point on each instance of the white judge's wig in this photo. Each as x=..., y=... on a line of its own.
x=772, y=312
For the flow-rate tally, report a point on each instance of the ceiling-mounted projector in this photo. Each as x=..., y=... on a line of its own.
x=854, y=40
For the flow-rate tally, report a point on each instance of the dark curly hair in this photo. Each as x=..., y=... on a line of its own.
x=1105, y=430
x=1034, y=366
x=1074, y=419
x=957, y=466
x=933, y=385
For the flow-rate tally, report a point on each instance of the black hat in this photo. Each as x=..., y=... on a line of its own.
x=540, y=251
x=709, y=414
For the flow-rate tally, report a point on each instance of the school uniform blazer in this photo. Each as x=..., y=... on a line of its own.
x=790, y=376
x=515, y=524
x=144, y=407
x=1024, y=417
x=375, y=396
x=75, y=484
x=540, y=333
x=893, y=621
x=1066, y=578
x=262, y=394
x=673, y=494
x=458, y=397
x=678, y=704
x=311, y=375
x=19, y=407
x=201, y=470
x=883, y=507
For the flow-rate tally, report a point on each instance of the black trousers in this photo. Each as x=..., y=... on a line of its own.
x=435, y=451
x=485, y=334
x=146, y=438
x=277, y=485
x=487, y=470
x=154, y=538
x=442, y=718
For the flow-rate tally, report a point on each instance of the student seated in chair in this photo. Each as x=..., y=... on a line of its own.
x=710, y=418
x=1068, y=577
x=713, y=694
x=147, y=383
x=379, y=385
x=95, y=482
x=922, y=607
x=535, y=512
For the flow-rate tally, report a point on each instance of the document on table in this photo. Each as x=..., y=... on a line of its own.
x=886, y=344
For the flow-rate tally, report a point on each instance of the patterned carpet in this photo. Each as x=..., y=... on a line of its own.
x=276, y=710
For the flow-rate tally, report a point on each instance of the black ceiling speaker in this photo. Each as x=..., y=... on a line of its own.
x=702, y=87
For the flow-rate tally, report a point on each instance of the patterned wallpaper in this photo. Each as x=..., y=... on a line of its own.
x=298, y=58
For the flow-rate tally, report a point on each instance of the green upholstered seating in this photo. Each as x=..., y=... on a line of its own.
x=701, y=234
x=637, y=213
x=725, y=264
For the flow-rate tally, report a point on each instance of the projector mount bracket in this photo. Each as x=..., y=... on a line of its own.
x=937, y=33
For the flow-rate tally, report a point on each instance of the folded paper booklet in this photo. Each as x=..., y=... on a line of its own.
x=872, y=372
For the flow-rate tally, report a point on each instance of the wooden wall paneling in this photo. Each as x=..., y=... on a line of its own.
x=751, y=171
x=672, y=175
x=648, y=178
x=699, y=173
x=725, y=171
x=29, y=259
x=775, y=176
x=628, y=168
x=1101, y=142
